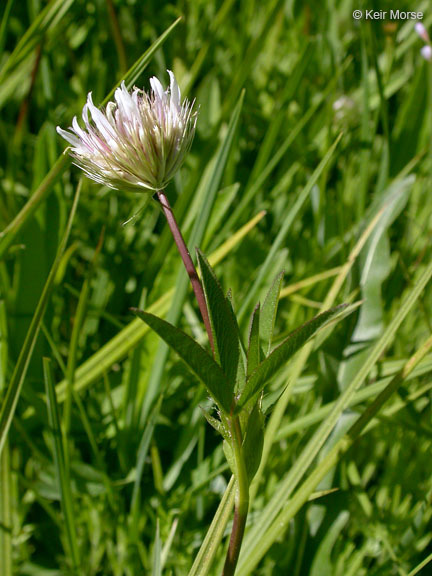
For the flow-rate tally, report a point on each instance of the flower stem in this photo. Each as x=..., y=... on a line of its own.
x=187, y=261
x=242, y=501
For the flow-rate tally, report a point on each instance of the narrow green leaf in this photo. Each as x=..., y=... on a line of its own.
x=194, y=356
x=224, y=326
x=229, y=454
x=211, y=544
x=254, y=347
x=143, y=61
x=421, y=565
x=4, y=24
x=63, y=478
x=269, y=311
x=284, y=352
x=143, y=449
x=14, y=389
x=157, y=552
x=323, y=564
x=6, y=513
x=241, y=366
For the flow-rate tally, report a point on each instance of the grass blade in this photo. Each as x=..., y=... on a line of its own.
x=291, y=480
x=14, y=389
x=288, y=221
x=62, y=474
x=330, y=460
x=6, y=565
x=46, y=19
x=210, y=546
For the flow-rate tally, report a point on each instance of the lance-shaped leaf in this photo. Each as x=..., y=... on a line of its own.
x=269, y=310
x=201, y=363
x=254, y=441
x=254, y=348
x=285, y=351
x=223, y=322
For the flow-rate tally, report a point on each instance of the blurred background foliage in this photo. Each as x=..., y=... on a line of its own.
x=310, y=72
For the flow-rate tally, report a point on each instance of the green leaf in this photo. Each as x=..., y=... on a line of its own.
x=241, y=366
x=201, y=363
x=254, y=348
x=283, y=353
x=254, y=441
x=269, y=310
x=224, y=325
x=214, y=423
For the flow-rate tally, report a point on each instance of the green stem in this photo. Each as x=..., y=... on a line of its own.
x=242, y=501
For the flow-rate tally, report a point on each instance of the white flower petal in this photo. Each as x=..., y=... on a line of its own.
x=158, y=90
x=100, y=120
x=175, y=92
x=71, y=138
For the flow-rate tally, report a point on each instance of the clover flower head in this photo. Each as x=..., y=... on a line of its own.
x=138, y=142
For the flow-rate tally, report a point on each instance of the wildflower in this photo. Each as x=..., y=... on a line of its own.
x=426, y=51
x=138, y=142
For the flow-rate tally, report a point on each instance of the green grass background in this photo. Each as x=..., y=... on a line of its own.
x=117, y=472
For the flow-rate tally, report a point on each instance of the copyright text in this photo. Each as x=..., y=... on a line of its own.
x=386, y=15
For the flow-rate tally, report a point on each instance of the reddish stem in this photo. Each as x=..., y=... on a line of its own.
x=188, y=263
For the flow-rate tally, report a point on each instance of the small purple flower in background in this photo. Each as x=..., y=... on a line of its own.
x=426, y=51
x=139, y=142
